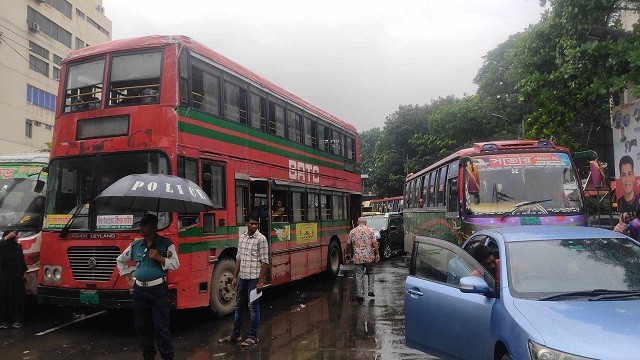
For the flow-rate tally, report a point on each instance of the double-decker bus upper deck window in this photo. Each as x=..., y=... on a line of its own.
x=258, y=117
x=135, y=79
x=205, y=91
x=235, y=103
x=310, y=137
x=84, y=86
x=276, y=119
x=294, y=122
x=336, y=143
x=351, y=145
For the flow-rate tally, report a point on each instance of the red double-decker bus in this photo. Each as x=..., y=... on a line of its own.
x=167, y=104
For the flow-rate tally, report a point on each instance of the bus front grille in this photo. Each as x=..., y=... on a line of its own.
x=93, y=263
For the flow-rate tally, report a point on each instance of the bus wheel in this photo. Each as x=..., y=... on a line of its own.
x=333, y=259
x=222, y=299
x=386, y=250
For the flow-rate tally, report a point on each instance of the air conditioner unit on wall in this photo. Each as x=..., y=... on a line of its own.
x=34, y=26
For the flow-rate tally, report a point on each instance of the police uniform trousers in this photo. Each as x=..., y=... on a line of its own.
x=151, y=316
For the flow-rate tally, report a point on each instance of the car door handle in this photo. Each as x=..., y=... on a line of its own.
x=414, y=292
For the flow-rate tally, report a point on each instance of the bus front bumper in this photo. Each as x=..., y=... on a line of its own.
x=109, y=299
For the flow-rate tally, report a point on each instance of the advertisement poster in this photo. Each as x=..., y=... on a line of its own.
x=625, y=123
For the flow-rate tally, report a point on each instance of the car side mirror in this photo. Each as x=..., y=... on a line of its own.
x=474, y=285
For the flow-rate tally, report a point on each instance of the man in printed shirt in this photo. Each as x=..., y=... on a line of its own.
x=154, y=256
x=363, y=246
x=252, y=261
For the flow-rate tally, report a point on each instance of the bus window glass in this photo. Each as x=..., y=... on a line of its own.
x=188, y=169
x=336, y=212
x=84, y=86
x=325, y=207
x=242, y=203
x=440, y=192
x=235, y=103
x=135, y=79
x=432, y=189
x=73, y=182
x=294, y=127
x=297, y=206
x=258, y=118
x=310, y=138
x=205, y=91
x=213, y=183
x=336, y=144
x=452, y=190
x=312, y=207
x=505, y=180
x=276, y=119
x=351, y=144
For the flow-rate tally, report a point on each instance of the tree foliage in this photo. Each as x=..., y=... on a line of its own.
x=555, y=79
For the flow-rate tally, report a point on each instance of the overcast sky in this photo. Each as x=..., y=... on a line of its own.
x=359, y=60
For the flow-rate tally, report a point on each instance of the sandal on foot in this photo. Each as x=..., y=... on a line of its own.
x=229, y=339
x=249, y=341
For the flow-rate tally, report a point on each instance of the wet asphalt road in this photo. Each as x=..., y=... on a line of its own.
x=316, y=318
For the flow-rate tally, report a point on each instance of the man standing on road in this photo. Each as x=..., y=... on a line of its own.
x=154, y=256
x=363, y=246
x=252, y=261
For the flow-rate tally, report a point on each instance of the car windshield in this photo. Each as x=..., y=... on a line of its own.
x=377, y=222
x=538, y=269
x=527, y=183
x=75, y=182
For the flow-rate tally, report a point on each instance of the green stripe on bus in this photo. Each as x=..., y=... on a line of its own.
x=254, y=133
x=187, y=248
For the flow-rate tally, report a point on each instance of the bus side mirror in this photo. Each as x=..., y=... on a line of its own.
x=39, y=186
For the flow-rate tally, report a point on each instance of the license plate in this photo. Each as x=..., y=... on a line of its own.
x=530, y=221
x=89, y=297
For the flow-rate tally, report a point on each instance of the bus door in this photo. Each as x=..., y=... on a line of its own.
x=285, y=262
x=259, y=200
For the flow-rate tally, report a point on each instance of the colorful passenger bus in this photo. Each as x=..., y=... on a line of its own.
x=167, y=104
x=503, y=183
x=22, y=202
x=390, y=204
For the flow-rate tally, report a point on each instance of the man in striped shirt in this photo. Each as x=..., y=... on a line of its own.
x=252, y=262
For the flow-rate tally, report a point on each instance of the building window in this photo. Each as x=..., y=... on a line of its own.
x=57, y=60
x=28, y=128
x=39, y=65
x=79, y=43
x=48, y=27
x=38, y=50
x=97, y=26
x=80, y=14
x=62, y=6
x=41, y=98
x=55, y=73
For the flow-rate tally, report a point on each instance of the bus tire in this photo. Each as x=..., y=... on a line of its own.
x=333, y=259
x=222, y=298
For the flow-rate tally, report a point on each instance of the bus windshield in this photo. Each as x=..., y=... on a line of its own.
x=525, y=183
x=21, y=208
x=75, y=182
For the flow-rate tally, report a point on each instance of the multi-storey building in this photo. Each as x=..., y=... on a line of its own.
x=35, y=35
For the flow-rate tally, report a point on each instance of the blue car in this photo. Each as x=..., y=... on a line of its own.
x=559, y=292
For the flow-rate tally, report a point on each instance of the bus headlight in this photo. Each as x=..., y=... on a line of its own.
x=48, y=273
x=57, y=274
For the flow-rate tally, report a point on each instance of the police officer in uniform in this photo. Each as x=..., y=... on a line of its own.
x=154, y=256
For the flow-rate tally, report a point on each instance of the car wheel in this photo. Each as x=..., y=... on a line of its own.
x=386, y=250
